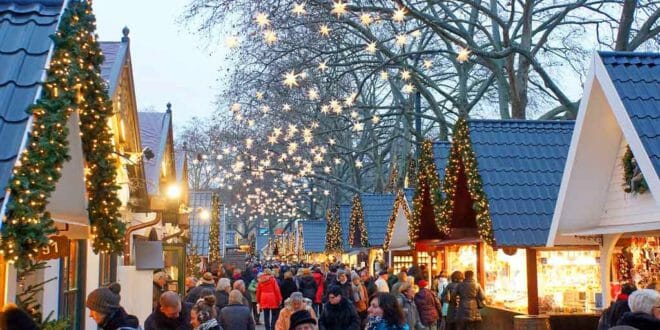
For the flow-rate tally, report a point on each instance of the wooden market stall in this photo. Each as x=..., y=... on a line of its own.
x=314, y=240
x=493, y=217
x=610, y=191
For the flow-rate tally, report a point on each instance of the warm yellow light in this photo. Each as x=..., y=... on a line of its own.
x=173, y=191
x=204, y=214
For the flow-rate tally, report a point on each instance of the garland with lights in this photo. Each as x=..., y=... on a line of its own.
x=193, y=259
x=95, y=109
x=214, y=232
x=462, y=156
x=333, y=234
x=428, y=184
x=633, y=179
x=400, y=201
x=72, y=82
x=357, y=230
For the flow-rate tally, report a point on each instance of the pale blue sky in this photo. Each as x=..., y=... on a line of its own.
x=170, y=63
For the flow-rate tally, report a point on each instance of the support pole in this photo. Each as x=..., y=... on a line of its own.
x=532, y=283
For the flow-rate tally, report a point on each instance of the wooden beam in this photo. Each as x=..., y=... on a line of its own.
x=481, y=263
x=532, y=283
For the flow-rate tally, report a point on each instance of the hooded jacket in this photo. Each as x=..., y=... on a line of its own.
x=320, y=287
x=193, y=294
x=288, y=287
x=341, y=316
x=268, y=293
x=308, y=287
x=119, y=319
x=427, y=306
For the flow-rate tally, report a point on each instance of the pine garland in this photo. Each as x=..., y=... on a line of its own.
x=333, y=232
x=214, y=232
x=462, y=154
x=73, y=82
x=428, y=184
x=357, y=230
x=193, y=259
x=629, y=166
x=400, y=201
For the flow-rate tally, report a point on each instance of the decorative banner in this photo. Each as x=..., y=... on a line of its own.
x=58, y=247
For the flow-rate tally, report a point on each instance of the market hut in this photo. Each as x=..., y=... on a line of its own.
x=313, y=234
x=610, y=191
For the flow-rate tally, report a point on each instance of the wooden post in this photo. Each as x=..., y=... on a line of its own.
x=481, y=263
x=532, y=283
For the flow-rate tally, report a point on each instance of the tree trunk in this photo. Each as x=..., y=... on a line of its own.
x=625, y=25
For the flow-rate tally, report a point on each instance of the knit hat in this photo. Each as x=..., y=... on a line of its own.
x=300, y=317
x=354, y=276
x=422, y=283
x=207, y=278
x=104, y=300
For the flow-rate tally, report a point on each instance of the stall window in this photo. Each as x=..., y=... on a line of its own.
x=461, y=258
x=506, y=279
x=636, y=260
x=568, y=281
x=72, y=287
x=107, y=268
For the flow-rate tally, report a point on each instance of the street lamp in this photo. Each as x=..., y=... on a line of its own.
x=173, y=191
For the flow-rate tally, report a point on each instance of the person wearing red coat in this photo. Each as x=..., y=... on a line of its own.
x=269, y=298
x=318, y=298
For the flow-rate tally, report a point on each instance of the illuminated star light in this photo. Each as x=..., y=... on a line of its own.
x=236, y=107
x=313, y=94
x=371, y=48
x=401, y=40
x=262, y=19
x=324, y=30
x=290, y=79
x=428, y=64
x=358, y=163
x=299, y=9
x=399, y=15
x=408, y=88
x=339, y=8
x=405, y=75
x=358, y=127
x=366, y=19
x=260, y=95
x=286, y=107
x=232, y=42
x=265, y=108
x=463, y=55
x=323, y=66
x=384, y=75
x=375, y=119
x=270, y=37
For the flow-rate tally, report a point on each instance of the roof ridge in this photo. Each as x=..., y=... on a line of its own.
x=31, y=7
x=526, y=121
x=14, y=121
x=627, y=53
x=25, y=50
x=15, y=83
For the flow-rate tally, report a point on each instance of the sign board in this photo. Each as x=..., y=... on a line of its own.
x=57, y=248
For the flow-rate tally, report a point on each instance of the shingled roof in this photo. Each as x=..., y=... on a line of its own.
x=115, y=54
x=441, y=156
x=25, y=44
x=521, y=163
x=313, y=236
x=636, y=77
x=154, y=130
x=377, y=209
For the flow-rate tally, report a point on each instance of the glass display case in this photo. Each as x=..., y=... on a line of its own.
x=568, y=281
x=174, y=257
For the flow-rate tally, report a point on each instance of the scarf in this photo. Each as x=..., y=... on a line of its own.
x=207, y=325
x=373, y=322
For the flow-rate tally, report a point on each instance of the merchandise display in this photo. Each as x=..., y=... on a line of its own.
x=506, y=279
x=400, y=261
x=462, y=258
x=638, y=261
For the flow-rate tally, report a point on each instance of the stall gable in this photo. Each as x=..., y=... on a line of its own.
x=397, y=226
x=357, y=230
x=618, y=108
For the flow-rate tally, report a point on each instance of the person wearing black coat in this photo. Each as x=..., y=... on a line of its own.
x=613, y=314
x=205, y=283
x=236, y=316
x=308, y=286
x=644, y=310
x=288, y=286
x=170, y=314
x=338, y=313
x=345, y=285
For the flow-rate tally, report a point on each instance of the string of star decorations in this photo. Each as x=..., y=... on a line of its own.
x=427, y=192
x=73, y=82
x=462, y=157
x=357, y=230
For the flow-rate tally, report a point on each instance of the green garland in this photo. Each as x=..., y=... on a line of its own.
x=356, y=225
x=73, y=82
x=400, y=201
x=333, y=233
x=629, y=161
x=462, y=154
x=95, y=111
x=428, y=184
x=214, y=233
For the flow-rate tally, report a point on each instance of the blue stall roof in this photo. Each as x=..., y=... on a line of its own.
x=636, y=77
x=25, y=29
x=521, y=163
x=199, y=228
x=377, y=210
x=314, y=236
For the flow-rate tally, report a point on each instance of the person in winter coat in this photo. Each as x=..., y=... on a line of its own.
x=159, y=283
x=203, y=315
x=170, y=314
x=368, y=283
x=385, y=313
x=406, y=299
x=382, y=283
x=252, y=289
x=269, y=299
x=308, y=286
x=206, y=282
x=450, y=298
x=338, y=313
x=320, y=290
x=222, y=292
x=330, y=280
x=104, y=308
x=391, y=278
x=644, y=310
x=360, y=298
x=236, y=316
x=295, y=303
x=470, y=300
x=288, y=285
x=612, y=314
x=428, y=306
x=345, y=285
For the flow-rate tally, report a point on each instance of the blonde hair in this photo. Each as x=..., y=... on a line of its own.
x=288, y=274
x=235, y=297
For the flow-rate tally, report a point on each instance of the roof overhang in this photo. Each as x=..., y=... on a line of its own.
x=601, y=125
